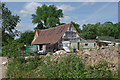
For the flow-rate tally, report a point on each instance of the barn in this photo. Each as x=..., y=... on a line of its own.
x=61, y=37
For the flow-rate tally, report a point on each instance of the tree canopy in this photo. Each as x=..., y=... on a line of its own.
x=26, y=37
x=9, y=23
x=77, y=26
x=90, y=31
x=47, y=16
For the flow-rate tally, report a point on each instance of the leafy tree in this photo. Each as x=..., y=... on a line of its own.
x=117, y=30
x=47, y=16
x=0, y=24
x=90, y=31
x=9, y=23
x=106, y=29
x=40, y=26
x=26, y=37
x=12, y=49
x=77, y=26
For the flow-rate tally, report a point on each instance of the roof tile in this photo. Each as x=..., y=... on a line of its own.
x=51, y=35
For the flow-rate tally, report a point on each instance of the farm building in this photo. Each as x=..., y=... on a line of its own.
x=105, y=41
x=61, y=37
x=89, y=44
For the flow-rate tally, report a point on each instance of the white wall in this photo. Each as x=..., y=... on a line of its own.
x=90, y=45
x=66, y=43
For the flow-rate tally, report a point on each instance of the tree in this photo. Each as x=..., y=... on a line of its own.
x=106, y=29
x=26, y=37
x=0, y=12
x=77, y=26
x=9, y=23
x=12, y=49
x=47, y=16
x=90, y=31
x=117, y=30
x=0, y=23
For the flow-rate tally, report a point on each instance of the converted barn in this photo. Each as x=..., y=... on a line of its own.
x=61, y=37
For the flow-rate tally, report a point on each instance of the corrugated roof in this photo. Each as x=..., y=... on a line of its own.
x=107, y=38
x=51, y=35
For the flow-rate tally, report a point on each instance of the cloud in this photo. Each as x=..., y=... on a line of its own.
x=25, y=27
x=95, y=17
x=29, y=8
x=65, y=19
x=65, y=7
x=100, y=10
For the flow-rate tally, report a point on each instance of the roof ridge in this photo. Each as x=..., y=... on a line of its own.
x=53, y=27
x=51, y=35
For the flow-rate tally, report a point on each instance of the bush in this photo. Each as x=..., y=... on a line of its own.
x=69, y=66
x=21, y=68
x=100, y=70
x=12, y=49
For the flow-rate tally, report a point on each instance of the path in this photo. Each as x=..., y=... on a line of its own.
x=2, y=67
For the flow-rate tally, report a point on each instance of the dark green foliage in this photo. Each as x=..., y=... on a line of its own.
x=90, y=31
x=77, y=26
x=100, y=70
x=21, y=68
x=46, y=16
x=9, y=23
x=69, y=66
x=12, y=49
x=39, y=26
x=26, y=37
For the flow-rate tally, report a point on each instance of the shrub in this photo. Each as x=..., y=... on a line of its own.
x=12, y=49
x=70, y=66
x=21, y=68
x=100, y=70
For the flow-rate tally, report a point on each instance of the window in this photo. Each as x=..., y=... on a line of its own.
x=86, y=44
x=66, y=44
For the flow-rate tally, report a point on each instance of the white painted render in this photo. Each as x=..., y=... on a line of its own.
x=89, y=45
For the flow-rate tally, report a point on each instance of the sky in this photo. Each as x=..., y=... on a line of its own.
x=79, y=12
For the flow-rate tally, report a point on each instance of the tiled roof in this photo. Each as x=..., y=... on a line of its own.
x=91, y=40
x=51, y=35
